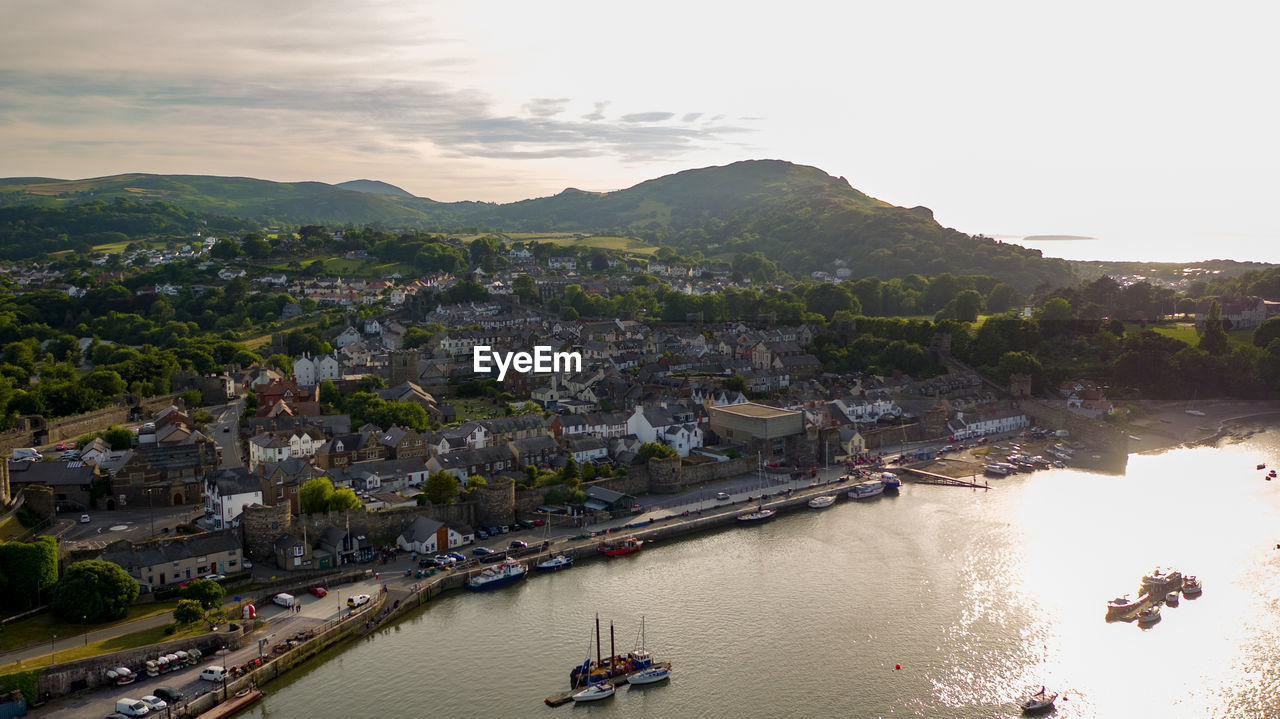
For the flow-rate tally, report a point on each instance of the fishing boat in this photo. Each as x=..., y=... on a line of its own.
x=891, y=481
x=619, y=547
x=1122, y=607
x=1149, y=616
x=1161, y=581
x=500, y=575
x=556, y=563
x=645, y=671
x=1191, y=586
x=1041, y=701
x=869, y=488
x=1171, y=599
x=822, y=502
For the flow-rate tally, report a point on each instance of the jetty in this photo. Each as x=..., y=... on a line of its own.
x=919, y=476
x=556, y=700
x=233, y=705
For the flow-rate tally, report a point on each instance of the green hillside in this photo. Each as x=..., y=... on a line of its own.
x=373, y=187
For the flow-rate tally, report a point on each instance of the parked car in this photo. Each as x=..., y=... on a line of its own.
x=445, y=560
x=226, y=429
x=358, y=600
x=154, y=703
x=214, y=673
x=722, y=495
x=70, y=455
x=538, y=522
x=526, y=524
x=482, y=534
x=492, y=530
x=132, y=707
x=457, y=556
x=169, y=694
x=481, y=551
x=427, y=563
x=284, y=600
x=84, y=519
x=517, y=544
x=247, y=564
x=69, y=444
x=504, y=528
x=318, y=591
x=214, y=577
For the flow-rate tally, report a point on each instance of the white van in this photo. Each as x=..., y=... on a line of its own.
x=132, y=707
x=284, y=600
x=213, y=674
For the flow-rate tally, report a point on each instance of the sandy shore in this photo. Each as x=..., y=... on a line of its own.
x=1162, y=425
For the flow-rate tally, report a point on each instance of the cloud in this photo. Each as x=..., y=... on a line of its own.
x=690, y=117
x=598, y=113
x=648, y=116
x=545, y=106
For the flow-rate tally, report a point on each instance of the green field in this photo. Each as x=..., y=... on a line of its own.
x=41, y=627
x=1186, y=332
x=564, y=239
x=133, y=640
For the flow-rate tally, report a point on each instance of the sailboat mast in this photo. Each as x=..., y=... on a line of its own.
x=598, y=639
x=612, y=651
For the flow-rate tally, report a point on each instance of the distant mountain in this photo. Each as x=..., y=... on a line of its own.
x=798, y=216
x=373, y=187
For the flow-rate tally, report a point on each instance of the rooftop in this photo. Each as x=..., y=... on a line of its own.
x=757, y=411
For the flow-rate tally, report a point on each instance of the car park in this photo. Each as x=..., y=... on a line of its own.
x=318, y=591
x=358, y=600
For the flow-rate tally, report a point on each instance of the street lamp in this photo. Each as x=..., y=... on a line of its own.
x=85, y=621
x=225, y=653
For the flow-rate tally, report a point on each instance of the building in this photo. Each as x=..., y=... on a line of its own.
x=226, y=493
x=675, y=426
x=173, y=561
x=759, y=427
x=967, y=425
x=428, y=536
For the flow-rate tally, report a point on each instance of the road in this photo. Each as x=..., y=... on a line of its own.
x=225, y=430
x=280, y=624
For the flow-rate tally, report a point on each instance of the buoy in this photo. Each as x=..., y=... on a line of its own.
x=897, y=667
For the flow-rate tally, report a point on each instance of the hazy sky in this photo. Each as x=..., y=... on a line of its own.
x=1151, y=126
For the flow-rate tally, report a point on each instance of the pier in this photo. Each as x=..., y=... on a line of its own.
x=919, y=476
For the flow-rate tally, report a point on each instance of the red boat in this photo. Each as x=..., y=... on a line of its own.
x=619, y=547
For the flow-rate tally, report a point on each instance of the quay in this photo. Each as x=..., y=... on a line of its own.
x=234, y=704
x=562, y=698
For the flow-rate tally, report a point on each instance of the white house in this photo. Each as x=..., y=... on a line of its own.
x=346, y=337
x=677, y=427
x=428, y=536
x=226, y=493
x=967, y=425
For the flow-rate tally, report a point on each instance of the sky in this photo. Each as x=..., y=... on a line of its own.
x=1151, y=127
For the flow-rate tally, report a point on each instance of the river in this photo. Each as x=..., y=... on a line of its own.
x=977, y=595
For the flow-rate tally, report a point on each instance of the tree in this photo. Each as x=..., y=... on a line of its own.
x=208, y=593
x=256, y=246
x=736, y=384
x=1266, y=332
x=118, y=437
x=94, y=591
x=27, y=569
x=315, y=495
x=826, y=299
x=188, y=611
x=965, y=306
x=440, y=487
x=1214, y=340
x=226, y=249
x=524, y=288
x=649, y=450
x=569, y=472
x=344, y=498
x=414, y=337
x=1054, y=316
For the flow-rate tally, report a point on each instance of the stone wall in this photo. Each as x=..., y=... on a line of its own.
x=665, y=475
x=699, y=474
x=1098, y=435
x=496, y=503
x=62, y=679
x=384, y=525
x=260, y=527
x=71, y=427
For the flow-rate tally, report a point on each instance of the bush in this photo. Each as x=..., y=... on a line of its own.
x=188, y=611
x=208, y=593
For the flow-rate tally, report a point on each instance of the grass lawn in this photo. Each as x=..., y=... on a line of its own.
x=133, y=640
x=11, y=528
x=1186, y=332
x=112, y=247
x=41, y=627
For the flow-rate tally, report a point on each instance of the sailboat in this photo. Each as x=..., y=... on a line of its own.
x=597, y=679
x=648, y=672
x=760, y=514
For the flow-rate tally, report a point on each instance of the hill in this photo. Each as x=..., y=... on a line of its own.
x=798, y=216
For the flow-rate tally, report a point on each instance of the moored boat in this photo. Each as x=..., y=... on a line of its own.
x=121, y=676
x=822, y=502
x=995, y=470
x=891, y=480
x=1191, y=586
x=1171, y=599
x=652, y=675
x=595, y=692
x=508, y=572
x=1122, y=607
x=619, y=547
x=556, y=563
x=759, y=515
x=1149, y=616
x=870, y=488
x=1161, y=581
x=1039, y=702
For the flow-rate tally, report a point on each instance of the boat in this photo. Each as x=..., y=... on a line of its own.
x=1191, y=586
x=890, y=480
x=619, y=547
x=1039, y=702
x=1171, y=599
x=995, y=470
x=822, y=502
x=121, y=676
x=870, y=488
x=1149, y=616
x=759, y=515
x=499, y=575
x=1058, y=464
x=556, y=563
x=644, y=670
x=1194, y=412
x=653, y=675
x=1122, y=607
x=595, y=692
x=1262, y=466
x=1160, y=582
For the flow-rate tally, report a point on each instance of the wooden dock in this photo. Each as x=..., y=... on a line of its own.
x=234, y=704
x=922, y=477
x=562, y=698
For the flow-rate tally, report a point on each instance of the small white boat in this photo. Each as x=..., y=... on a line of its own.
x=760, y=515
x=1149, y=616
x=1039, y=702
x=822, y=502
x=652, y=675
x=1191, y=586
x=1171, y=599
x=556, y=563
x=595, y=692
